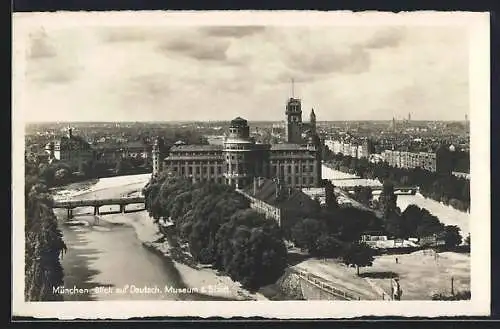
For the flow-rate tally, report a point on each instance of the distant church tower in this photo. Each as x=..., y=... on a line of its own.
x=294, y=119
x=312, y=121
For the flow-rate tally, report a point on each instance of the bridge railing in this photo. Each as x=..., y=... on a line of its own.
x=97, y=202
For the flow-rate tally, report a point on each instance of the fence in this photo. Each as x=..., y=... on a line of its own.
x=325, y=286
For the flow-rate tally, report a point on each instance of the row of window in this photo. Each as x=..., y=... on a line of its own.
x=209, y=173
x=235, y=147
x=218, y=180
x=281, y=168
x=299, y=180
x=194, y=154
x=189, y=163
x=198, y=170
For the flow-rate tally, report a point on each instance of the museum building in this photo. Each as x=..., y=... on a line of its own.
x=295, y=163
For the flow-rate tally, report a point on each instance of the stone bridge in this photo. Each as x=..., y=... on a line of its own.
x=97, y=203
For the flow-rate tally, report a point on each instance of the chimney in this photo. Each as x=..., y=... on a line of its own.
x=254, y=185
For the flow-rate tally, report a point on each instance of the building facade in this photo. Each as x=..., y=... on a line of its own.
x=70, y=149
x=438, y=161
x=297, y=163
x=361, y=148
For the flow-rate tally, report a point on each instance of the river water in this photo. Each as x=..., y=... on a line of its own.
x=104, y=257
x=446, y=214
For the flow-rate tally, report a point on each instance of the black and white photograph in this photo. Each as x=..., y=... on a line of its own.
x=311, y=165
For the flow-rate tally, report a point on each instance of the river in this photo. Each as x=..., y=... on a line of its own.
x=105, y=253
x=446, y=214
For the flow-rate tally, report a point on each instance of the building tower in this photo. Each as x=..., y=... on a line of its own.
x=156, y=155
x=409, y=116
x=294, y=119
x=312, y=121
x=239, y=154
x=70, y=132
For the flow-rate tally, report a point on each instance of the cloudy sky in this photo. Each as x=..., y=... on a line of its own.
x=133, y=73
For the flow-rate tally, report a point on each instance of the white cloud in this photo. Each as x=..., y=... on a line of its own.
x=190, y=73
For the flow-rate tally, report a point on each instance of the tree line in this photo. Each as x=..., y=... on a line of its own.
x=414, y=221
x=43, y=240
x=220, y=228
x=59, y=173
x=336, y=232
x=445, y=188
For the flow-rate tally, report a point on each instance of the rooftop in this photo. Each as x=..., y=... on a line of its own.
x=266, y=192
x=239, y=121
x=287, y=146
x=196, y=148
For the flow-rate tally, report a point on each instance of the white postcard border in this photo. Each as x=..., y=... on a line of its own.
x=478, y=27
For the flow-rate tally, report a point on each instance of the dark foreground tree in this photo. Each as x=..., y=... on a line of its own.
x=250, y=249
x=43, y=245
x=305, y=234
x=329, y=246
x=358, y=255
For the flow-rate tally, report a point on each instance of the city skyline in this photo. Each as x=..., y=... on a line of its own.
x=223, y=120
x=202, y=73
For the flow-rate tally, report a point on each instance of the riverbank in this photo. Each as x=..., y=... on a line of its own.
x=193, y=275
x=342, y=178
x=206, y=280
x=446, y=213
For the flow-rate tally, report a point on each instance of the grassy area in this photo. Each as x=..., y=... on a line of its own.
x=421, y=274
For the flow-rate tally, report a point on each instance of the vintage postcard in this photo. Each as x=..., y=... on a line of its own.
x=276, y=164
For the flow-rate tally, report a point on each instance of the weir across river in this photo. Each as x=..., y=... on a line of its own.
x=97, y=203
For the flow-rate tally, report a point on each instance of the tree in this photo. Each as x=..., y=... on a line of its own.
x=410, y=219
x=123, y=165
x=349, y=223
x=330, y=199
x=305, y=233
x=61, y=174
x=363, y=194
x=250, y=249
x=329, y=246
x=358, y=255
x=387, y=199
x=451, y=236
x=429, y=224
x=394, y=225
x=43, y=243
